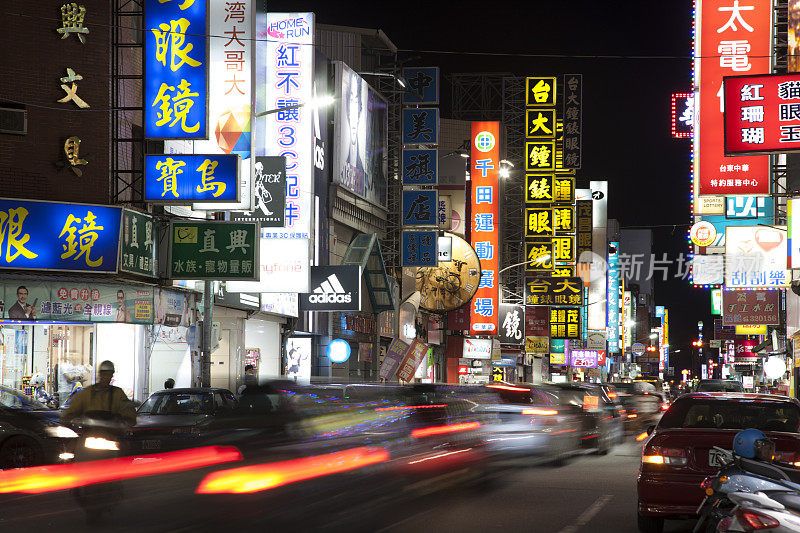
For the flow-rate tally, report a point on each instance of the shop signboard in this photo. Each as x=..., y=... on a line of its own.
x=731, y=39
x=596, y=340
x=612, y=297
x=554, y=291
x=37, y=235
x=584, y=358
x=573, y=120
x=744, y=352
x=289, y=61
x=752, y=329
x=412, y=359
x=360, y=161
x=558, y=359
x=477, y=348
x=420, y=248
x=333, y=288
x=512, y=324
x=230, y=93
x=138, y=244
x=565, y=322
x=280, y=303
x=175, y=70
x=394, y=356
x=721, y=222
x=716, y=301
x=421, y=125
x=682, y=115
x=537, y=321
x=419, y=208
x=215, y=250
x=761, y=114
x=173, y=308
x=298, y=359
x=269, y=193
x=420, y=167
x=177, y=179
x=283, y=267
x=723, y=332
x=558, y=346
x=72, y=301
x=422, y=85
x=537, y=344
x=793, y=235
x=755, y=256
x=444, y=212
x=485, y=234
x=584, y=227
x=741, y=308
x=708, y=269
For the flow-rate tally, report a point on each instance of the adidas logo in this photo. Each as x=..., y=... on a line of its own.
x=330, y=291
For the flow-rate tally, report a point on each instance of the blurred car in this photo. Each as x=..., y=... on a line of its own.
x=719, y=385
x=679, y=453
x=180, y=418
x=532, y=423
x=642, y=403
x=602, y=425
x=30, y=433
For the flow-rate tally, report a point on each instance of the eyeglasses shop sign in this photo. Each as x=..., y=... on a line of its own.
x=333, y=288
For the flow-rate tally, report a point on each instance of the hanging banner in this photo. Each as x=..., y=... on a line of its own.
x=394, y=356
x=485, y=234
x=731, y=38
x=175, y=70
x=412, y=359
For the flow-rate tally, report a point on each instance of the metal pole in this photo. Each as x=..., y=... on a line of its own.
x=205, y=356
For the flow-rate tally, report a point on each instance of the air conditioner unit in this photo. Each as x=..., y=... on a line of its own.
x=14, y=121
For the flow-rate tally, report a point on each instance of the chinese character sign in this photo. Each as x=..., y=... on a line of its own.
x=53, y=236
x=419, y=208
x=230, y=77
x=138, y=245
x=421, y=125
x=565, y=322
x=485, y=230
x=762, y=114
x=512, y=324
x=183, y=179
x=733, y=38
x=742, y=308
x=584, y=358
x=755, y=256
x=214, y=250
x=584, y=227
x=554, y=291
x=422, y=85
x=573, y=122
x=411, y=360
x=290, y=73
x=540, y=91
x=682, y=115
x=420, y=167
x=612, y=298
x=419, y=248
x=175, y=70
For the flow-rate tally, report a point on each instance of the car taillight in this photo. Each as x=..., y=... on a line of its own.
x=664, y=406
x=658, y=455
x=546, y=412
x=753, y=521
x=632, y=415
x=786, y=457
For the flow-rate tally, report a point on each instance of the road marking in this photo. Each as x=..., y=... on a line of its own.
x=588, y=514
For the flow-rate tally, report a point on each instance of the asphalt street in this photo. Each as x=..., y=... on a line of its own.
x=590, y=494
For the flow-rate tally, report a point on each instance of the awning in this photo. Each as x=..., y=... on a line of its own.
x=365, y=250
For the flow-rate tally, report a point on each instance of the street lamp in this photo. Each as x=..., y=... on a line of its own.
x=401, y=81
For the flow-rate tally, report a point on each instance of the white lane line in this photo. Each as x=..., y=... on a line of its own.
x=588, y=514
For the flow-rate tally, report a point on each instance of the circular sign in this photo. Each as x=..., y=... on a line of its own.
x=452, y=283
x=484, y=141
x=637, y=348
x=703, y=233
x=339, y=351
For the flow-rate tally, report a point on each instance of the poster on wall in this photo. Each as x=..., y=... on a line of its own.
x=173, y=308
x=360, y=160
x=298, y=359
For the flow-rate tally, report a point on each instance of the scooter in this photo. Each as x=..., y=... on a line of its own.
x=100, y=438
x=739, y=474
x=775, y=511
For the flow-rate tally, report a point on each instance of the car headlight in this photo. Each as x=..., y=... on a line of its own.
x=99, y=443
x=61, y=432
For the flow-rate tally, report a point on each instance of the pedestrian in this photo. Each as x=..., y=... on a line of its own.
x=169, y=384
x=249, y=378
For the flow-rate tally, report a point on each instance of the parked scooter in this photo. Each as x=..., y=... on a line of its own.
x=775, y=511
x=748, y=469
x=100, y=438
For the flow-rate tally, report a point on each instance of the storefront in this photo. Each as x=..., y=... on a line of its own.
x=360, y=330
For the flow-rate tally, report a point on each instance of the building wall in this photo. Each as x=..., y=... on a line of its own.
x=35, y=58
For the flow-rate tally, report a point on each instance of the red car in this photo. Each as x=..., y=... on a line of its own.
x=679, y=455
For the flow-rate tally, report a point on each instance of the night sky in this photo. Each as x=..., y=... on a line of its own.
x=626, y=107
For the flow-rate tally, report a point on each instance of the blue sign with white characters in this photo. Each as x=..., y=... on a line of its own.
x=421, y=125
x=54, y=236
x=422, y=85
x=420, y=248
x=748, y=207
x=419, y=208
x=185, y=179
x=420, y=167
x=175, y=69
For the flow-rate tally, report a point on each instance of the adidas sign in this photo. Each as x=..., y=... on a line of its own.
x=330, y=291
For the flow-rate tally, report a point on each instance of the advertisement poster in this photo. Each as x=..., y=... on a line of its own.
x=391, y=362
x=360, y=159
x=298, y=359
x=755, y=256
x=173, y=308
x=412, y=359
x=269, y=193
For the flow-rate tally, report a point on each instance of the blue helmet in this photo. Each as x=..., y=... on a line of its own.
x=744, y=443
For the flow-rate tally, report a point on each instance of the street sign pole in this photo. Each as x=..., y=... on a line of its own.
x=205, y=356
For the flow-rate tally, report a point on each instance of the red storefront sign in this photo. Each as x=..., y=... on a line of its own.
x=743, y=308
x=762, y=114
x=744, y=352
x=733, y=38
x=537, y=321
x=485, y=231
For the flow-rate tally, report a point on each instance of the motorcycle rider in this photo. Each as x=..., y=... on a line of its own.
x=102, y=396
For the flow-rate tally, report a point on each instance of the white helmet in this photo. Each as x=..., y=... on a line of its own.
x=37, y=380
